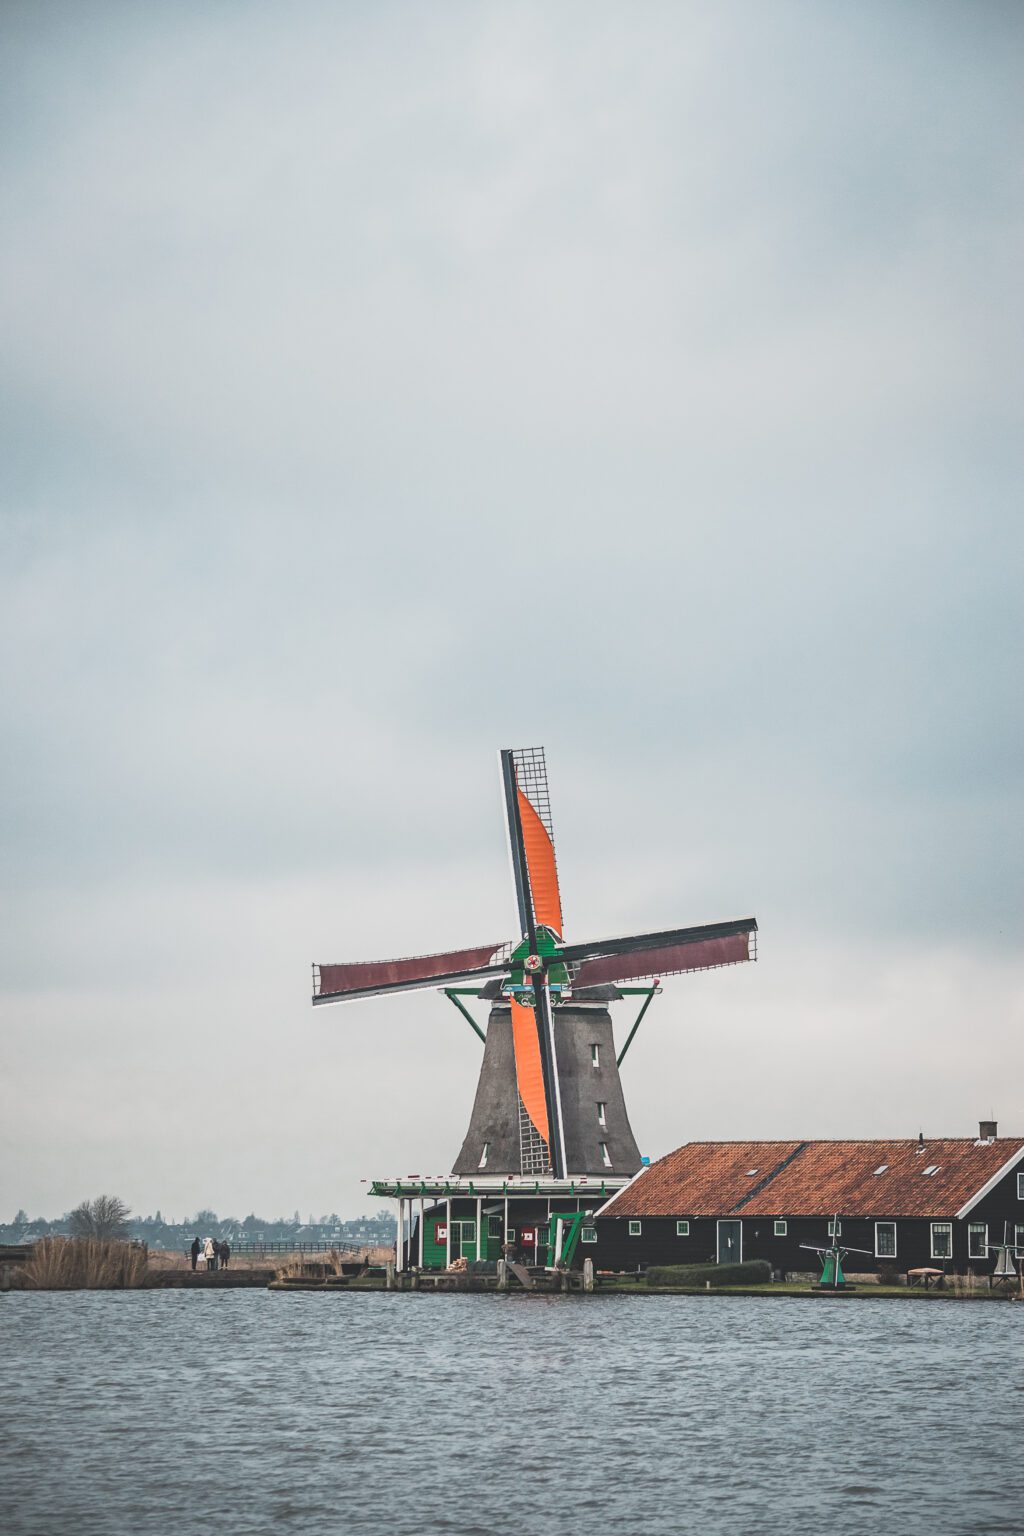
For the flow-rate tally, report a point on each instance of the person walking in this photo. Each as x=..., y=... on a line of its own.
x=194, y=1251
x=225, y=1254
x=210, y=1253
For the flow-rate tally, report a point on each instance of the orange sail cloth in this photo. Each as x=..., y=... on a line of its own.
x=529, y=1072
x=540, y=861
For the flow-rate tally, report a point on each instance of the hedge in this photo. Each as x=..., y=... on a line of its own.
x=753, y=1272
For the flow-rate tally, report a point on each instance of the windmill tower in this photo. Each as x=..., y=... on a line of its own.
x=549, y=1119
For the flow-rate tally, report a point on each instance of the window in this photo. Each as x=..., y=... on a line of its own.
x=634, y=1229
x=588, y=1235
x=927, y=1172
x=595, y=1055
x=835, y=1228
x=510, y=1234
x=682, y=1229
x=602, y=1118
x=781, y=1229
x=751, y=1172
x=468, y=1231
x=483, y=1155
x=880, y=1169
x=605, y=1157
x=977, y=1240
x=1018, y=1235
x=494, y=1227
x=942, y=1239
x=885, y=1239
x=1020, y=1186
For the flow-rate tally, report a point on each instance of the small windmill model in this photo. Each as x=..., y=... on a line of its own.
x=1006, y=1252
x=832, y=1258
x=541, y=985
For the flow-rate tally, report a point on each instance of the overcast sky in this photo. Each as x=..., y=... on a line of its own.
x=386, y=384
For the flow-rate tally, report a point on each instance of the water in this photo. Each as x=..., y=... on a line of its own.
x=251, y=1412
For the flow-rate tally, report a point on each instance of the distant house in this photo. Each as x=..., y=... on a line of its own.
x=910, y=1204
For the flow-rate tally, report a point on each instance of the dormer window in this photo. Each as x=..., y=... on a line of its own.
x=483, y=1154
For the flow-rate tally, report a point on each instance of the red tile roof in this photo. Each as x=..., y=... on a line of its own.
x=816, y=1178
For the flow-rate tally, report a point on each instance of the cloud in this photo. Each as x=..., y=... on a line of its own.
x=380, y=389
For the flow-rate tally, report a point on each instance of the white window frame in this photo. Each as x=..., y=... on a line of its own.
x=682, y=1229
x=947, y=1228
x=588, y=1235
x=606, y=1156
x=835, y=1227
x=602, y=1112
x=1020, y=1185
x=595, y=1054
x=635, y=1229
x=510, y=1234
x=483, y=1154
x=1018, y=1234
x=895, y=1243
x=972, y=1228
x=781, y=1227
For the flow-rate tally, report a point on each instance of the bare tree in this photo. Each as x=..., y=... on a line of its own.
x=106, y=1216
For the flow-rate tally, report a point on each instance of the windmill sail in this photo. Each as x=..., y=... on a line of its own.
x=663, y=954
x=370, y=978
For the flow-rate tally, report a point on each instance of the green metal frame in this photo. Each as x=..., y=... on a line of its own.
x=648, y=994
x=572, y=1226
x=451, y=994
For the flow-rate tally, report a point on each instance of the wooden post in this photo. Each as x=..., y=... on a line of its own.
x=502, y=1275
x=389, y=1276
x=588, y=1273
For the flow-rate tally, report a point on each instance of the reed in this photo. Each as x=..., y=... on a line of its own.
x=84, y=1264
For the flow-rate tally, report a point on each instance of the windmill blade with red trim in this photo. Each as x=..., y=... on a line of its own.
x=667, y=953
x=535, y=875
x=372, y=978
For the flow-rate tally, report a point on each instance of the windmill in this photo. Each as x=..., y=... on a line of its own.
x=831, y=1259
x=548, y=1055
x=1006, y=1252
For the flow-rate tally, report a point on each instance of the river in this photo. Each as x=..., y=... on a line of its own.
x=251, y=1412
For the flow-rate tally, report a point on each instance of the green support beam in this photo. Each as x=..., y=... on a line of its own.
x=450, y=994
x=651, y=993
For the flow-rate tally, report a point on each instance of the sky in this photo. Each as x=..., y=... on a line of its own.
x=385, y=385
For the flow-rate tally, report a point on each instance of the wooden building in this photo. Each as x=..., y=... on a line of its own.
x=910, y=1204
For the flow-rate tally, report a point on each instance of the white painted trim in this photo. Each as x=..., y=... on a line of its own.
x=682, y=1221
x=984, y=1245
x=601, y=1210
x=777, y=1222
x=634, y=1221
x=895, y=1240
x=948, y=1225
x=554, y=1072
x=1010, y=1164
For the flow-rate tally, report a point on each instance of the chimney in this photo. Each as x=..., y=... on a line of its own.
x=987, y=1130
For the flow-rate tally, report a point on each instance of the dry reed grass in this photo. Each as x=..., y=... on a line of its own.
x=84, y=1264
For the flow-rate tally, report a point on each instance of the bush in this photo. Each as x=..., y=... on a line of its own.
x=752, y=1272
